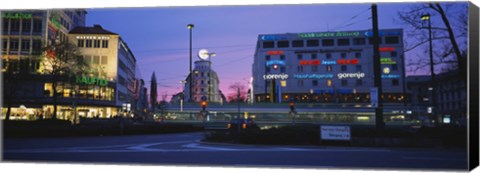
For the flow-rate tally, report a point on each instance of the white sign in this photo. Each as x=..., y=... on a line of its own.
x=275, y=76
x=335, y=132
x=374, y=97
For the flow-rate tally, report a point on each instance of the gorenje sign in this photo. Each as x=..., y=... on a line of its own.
x=91, y=81
x=275, y=76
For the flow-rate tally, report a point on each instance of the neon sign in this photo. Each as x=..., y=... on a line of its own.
x=382, y=33
x=273, y=37
x=309, y=62
x=313, y=76
x=329, y=34
x=347, y=61
x=275, y=52
x=275, y=76
x=272, y=62
x=357, y=75
x=326, y=62
x=17, y=15
x=387, y=61
x=386, y=49
x=91, y=81
x=390, y=76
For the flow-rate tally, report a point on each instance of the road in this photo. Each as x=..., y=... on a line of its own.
x=186, y=149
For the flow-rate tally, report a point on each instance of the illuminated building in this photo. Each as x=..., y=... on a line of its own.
x=326, y=67
x=205, y=83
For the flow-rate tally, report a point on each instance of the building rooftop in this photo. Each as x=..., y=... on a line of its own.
x=96, y=29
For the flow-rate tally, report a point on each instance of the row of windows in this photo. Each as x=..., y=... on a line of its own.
x=15, y=26
x=329, y=55
x=96, y=60
x=344, y=83
x=328, y=42
x=23, y=45
x=87, y=43
x=328, y=68
x=24, y=65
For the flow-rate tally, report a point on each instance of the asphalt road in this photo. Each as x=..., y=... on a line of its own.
x=186, y=149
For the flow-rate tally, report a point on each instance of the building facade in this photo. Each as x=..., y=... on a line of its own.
x=205, y=84
x=327, y=67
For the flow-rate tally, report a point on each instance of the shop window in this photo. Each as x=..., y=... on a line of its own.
x=359, y=41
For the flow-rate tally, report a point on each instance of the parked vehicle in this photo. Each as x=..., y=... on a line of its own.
x=248, y=123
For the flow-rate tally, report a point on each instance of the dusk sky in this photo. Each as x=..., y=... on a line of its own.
x=159, y=38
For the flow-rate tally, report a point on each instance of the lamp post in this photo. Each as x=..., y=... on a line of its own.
x=424, y=18
x=190, y=28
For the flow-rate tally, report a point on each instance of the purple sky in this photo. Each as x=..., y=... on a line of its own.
x=159, y=37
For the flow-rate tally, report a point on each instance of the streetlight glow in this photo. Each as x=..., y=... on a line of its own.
x=425, y=17
x=190, y=26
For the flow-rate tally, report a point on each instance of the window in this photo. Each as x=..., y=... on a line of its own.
x=96, y=59
x=201, y=82
x=88, y=43
x=300, y=68
x=344, y=68
x=88, y=59
x=314, y=68
x=370, y=40
x=96, y=43
x=25, y=45
x=343, y=55
x=314, y=56
x=344, y=82
x=358, y=55
x=267, y=57
x=297, y=43
x=328, y=42
x=26, y=26
x=329, y=68
x=104, y=59
x=395, y=82
x=359, y=41
x=391, y=40
x=267, y=69
x=37, y=25
x=344, y=42
x=312, y=43
x=282, y=57
x=268, y=44
x=299, y=56
x=300, y=83
x=358, y=67
x=282, y=69
x=393, y=53
x=394, y=67
x=359, y=82
x=14, y=25
x=314, y=82
x=13, y=45
x=104, y=43
x=283, y=44
x=329, y=82
x=328, y=55
x=80, y=43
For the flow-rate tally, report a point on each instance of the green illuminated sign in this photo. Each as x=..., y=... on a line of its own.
x=329, y=34
x=387, y=61
x=17, y=15
x=92, y=81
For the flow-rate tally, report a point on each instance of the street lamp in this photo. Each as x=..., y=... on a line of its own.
x=426, y=18
x=190, y=28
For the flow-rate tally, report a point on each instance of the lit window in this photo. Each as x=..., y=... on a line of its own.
x=329, y=82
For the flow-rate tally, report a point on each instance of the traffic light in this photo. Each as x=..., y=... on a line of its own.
x=292, y=106
x=204, y=105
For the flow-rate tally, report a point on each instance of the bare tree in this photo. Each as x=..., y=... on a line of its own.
x=61, y=62
x=237, y=89
x=449, y=35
